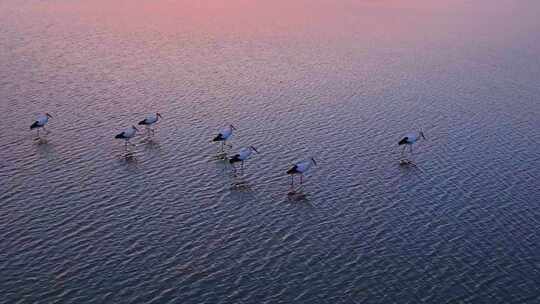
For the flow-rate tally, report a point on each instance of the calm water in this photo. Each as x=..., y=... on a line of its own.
x=338, y=80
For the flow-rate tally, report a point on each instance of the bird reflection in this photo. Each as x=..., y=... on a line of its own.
x=240, y=184
x=44, y=148
x=151, y=145
x=297, y=196
x=41, y=141
x=410, y=166
x=128, y=157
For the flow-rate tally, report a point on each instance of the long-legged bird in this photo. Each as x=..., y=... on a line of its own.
x=149, y=121
x=127, y=134
x=408, y=140
x=242, y=155
x=300, y=168
x=40, y=123
x=223, y=135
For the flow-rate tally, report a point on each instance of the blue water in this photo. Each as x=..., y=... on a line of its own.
x=341, y=81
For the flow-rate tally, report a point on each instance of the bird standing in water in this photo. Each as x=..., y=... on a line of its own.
x=242, y=156
x=300, y=168
x=149, y=121
x=40, y=123
x=127, y=135
x=408, y=140
x=223, y=135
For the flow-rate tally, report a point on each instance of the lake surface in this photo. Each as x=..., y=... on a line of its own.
x=338, y=80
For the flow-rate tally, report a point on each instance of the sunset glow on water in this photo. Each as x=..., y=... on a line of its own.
x=340, y=81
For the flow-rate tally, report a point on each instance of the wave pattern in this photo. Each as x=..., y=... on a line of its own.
x=79, y=223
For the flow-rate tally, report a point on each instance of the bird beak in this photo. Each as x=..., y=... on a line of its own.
x=252, y=147
x=233, y=127
x=423, y=135
x=313, y=159
x=135, y=129
x=159, y=115
x=49, y=115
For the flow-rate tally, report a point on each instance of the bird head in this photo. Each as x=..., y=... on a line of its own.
x=48, y=115
x=253, y=148
x=158, y=115
x=422, y=134
x=232, y=127
x=313, y=160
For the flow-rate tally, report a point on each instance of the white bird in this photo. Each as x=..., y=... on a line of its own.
x=127, y=134
x=224, y=134
x=409, y=139
x=40, y=122
x=149, y=121
x=300, y=168
x=242, y=156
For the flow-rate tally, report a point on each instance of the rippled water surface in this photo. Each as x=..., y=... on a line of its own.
x=337, y=80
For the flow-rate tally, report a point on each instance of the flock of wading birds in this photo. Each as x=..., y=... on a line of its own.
x=223, y=135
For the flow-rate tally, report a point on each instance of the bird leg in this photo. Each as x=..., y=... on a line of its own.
x=301, y=179
x=37, y=138
x=147, y=131
x=222, y=143
x=403, y=151
x=292, y=182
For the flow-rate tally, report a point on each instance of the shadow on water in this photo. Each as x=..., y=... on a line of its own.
x=151, y=145
x=220, y=156
x=128, y=158
x=240, y=184
x=222, y=164
x=238, y=181
x=298, y=196
x=44, y=147
x=409, y=167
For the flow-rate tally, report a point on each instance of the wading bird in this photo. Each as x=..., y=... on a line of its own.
x=149, y=121
x=224, y=134
x=40, y=122
x=300, y=168
x=408, y=140
x=242, y=156
x=127, y=135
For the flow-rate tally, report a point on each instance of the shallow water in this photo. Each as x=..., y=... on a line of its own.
x=341, y=81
